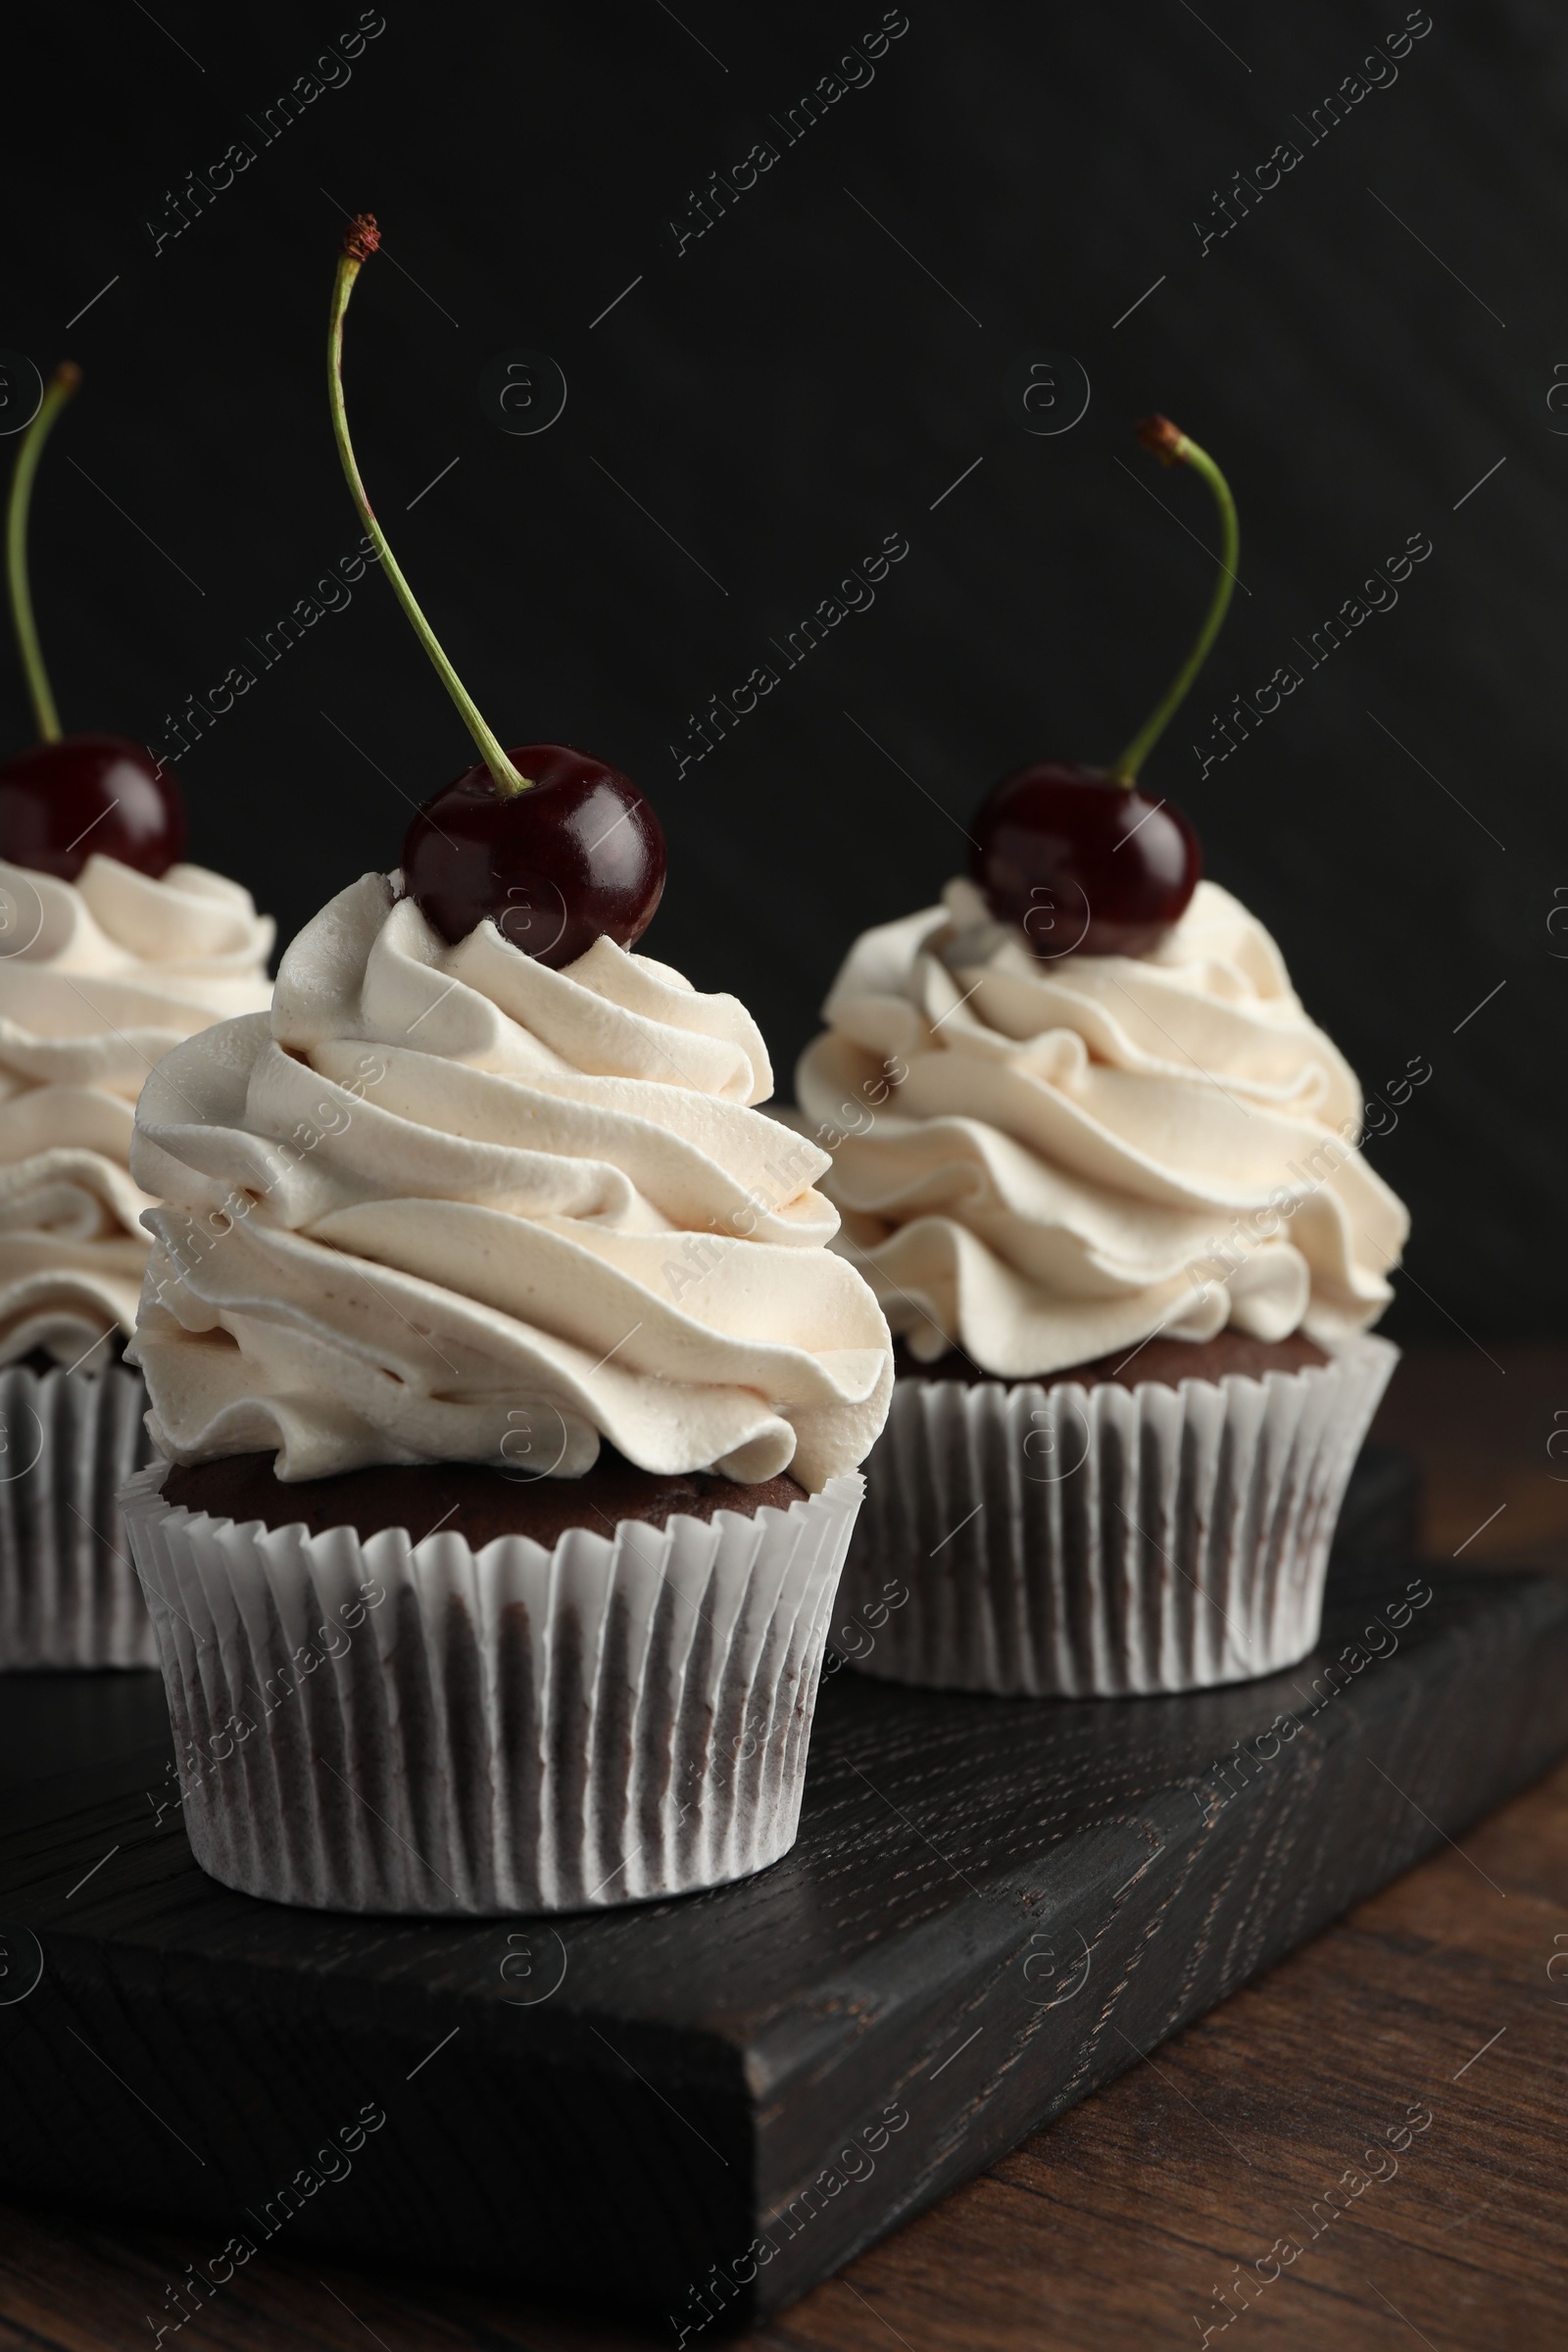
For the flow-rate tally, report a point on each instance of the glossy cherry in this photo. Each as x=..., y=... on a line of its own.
x=576, y=856
x=61, y=801
x=1082, y=863
x=1082, y=860
x=555, y=848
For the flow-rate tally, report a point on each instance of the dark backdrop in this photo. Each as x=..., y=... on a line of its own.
x=1375, y=334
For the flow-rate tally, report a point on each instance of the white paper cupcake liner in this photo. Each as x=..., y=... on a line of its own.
x=1085, y=1543
x=517, y=1730
x=69, y=1594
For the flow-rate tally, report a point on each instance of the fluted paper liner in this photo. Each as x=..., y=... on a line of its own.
x=513, y=1729
x=1081, y=1542
x=69, y=1594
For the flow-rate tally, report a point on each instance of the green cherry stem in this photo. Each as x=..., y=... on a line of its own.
x=1167, y=443
x=360, y=240
x=60, y=386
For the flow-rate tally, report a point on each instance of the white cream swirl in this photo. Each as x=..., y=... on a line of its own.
x=453, y=1206
x=98, y=979
x=1044, y=1161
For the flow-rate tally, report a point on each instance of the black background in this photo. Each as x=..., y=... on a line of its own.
x=794, y=386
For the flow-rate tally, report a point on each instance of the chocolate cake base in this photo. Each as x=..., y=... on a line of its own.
x=473, y=1499
x=1168, y=1360
x=370, y=1723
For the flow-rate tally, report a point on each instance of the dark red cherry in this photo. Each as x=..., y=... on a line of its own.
x=61, y=801
x=1083, y=863
x=577, y=857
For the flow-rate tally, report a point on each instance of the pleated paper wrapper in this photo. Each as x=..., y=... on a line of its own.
x=69, y=1594
x=514, y=1730
x=1079, y=1542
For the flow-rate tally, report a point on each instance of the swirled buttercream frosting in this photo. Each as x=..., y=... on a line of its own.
x=98, y=979
x=1043, y=1161
x=447, y=1204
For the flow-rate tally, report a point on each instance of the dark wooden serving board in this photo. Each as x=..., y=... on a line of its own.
x=994, y=1907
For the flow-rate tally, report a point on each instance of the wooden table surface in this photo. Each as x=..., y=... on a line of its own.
x=1444, y=1997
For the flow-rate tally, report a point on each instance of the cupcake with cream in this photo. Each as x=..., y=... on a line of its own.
x=509, y=1395
x=111, y=950
x=1103, y=1172
x=485, y=1285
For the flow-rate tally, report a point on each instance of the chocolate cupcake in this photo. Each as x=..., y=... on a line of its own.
x=111, y=949
x=513, y=1399
x=515, y=1416
x=1103, y=1172
x=1129, y=1252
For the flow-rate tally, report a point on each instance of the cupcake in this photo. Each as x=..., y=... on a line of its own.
x=111, y=949
x=1103, y=1174
x=509, y=1432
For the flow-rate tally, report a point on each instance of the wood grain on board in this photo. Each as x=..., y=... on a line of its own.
x=1123, y=2221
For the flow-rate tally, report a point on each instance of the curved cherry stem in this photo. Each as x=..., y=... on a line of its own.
x=1158, y=434
x=360, y=240
x=60, y=386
